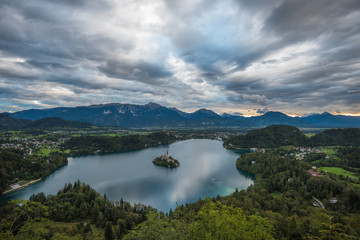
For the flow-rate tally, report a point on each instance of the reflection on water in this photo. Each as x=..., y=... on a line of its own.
x=206, y=169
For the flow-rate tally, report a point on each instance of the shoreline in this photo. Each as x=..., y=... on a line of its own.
x=22, y=186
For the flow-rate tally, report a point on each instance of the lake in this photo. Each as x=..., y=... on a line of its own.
x=206, y=170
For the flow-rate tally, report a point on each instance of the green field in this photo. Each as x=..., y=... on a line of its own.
x=101, y=134
x=309, y=135
x=276, y=194
x=46, y=151
x=339, y=171
x=329, y=150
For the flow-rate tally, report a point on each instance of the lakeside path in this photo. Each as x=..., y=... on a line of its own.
x=24, y=185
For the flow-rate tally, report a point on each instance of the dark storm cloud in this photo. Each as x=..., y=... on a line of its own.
x=297, y=21
x=13, y=74
x=37, y=32
x=48, y=65
x=259, y=5
x=186, y=38
x=94, y=4
x=139, y=71
x=245, y=84
x=6, y=92
x=78, y=82
x=301, y=20
x=331, y=24
x=262, y=111
x=272, y=53
x=333, y=21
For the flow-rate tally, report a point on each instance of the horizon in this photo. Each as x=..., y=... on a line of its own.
x=193, y=111
x=238, y=57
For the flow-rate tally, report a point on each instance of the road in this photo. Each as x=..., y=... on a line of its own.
x=321, y=204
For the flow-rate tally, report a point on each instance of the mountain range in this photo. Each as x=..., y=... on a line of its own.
x=154, y=115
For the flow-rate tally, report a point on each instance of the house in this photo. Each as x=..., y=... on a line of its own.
x=314, y=173
x=333, y=200
x=316, y=204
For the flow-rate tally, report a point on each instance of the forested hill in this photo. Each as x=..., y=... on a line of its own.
x=15, y=164
x=282, y=135
x=56, y=123
x=9, y=123
x=52, y=123
x=272, y=136
x=284, y=192
x=337, y=137
x=85, y=145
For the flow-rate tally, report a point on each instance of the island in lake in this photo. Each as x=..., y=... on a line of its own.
x=166, y=161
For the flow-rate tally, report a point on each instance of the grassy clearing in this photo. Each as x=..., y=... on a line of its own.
x=276, y=194
x=339, y=171
x=309, y=135
x=329, y=150
x=15, y=133
x=355, y=184
x=46, y=152
x=101, y=134
x=316, y=161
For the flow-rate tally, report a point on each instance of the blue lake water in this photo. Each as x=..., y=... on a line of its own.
x=206, y=170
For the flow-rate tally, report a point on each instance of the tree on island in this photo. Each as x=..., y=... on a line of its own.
x=166, y=161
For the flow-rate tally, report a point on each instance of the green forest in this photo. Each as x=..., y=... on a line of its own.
x=278, y=206
x=85, y=145
x=14, y=164
x=283, y=135
x=283, y=203
x=93, y=216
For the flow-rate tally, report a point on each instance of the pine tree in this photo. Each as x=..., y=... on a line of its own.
x=108, y=231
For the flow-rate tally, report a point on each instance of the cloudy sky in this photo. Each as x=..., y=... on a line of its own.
x=244, y=57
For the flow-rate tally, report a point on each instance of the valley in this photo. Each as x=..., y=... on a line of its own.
x=282, y=169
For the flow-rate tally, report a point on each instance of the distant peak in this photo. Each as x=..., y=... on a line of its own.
x=326, y=114
x=152, y=104
x=204, y=110
x=226, y=115
x=272, y=113
x=175, y=109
